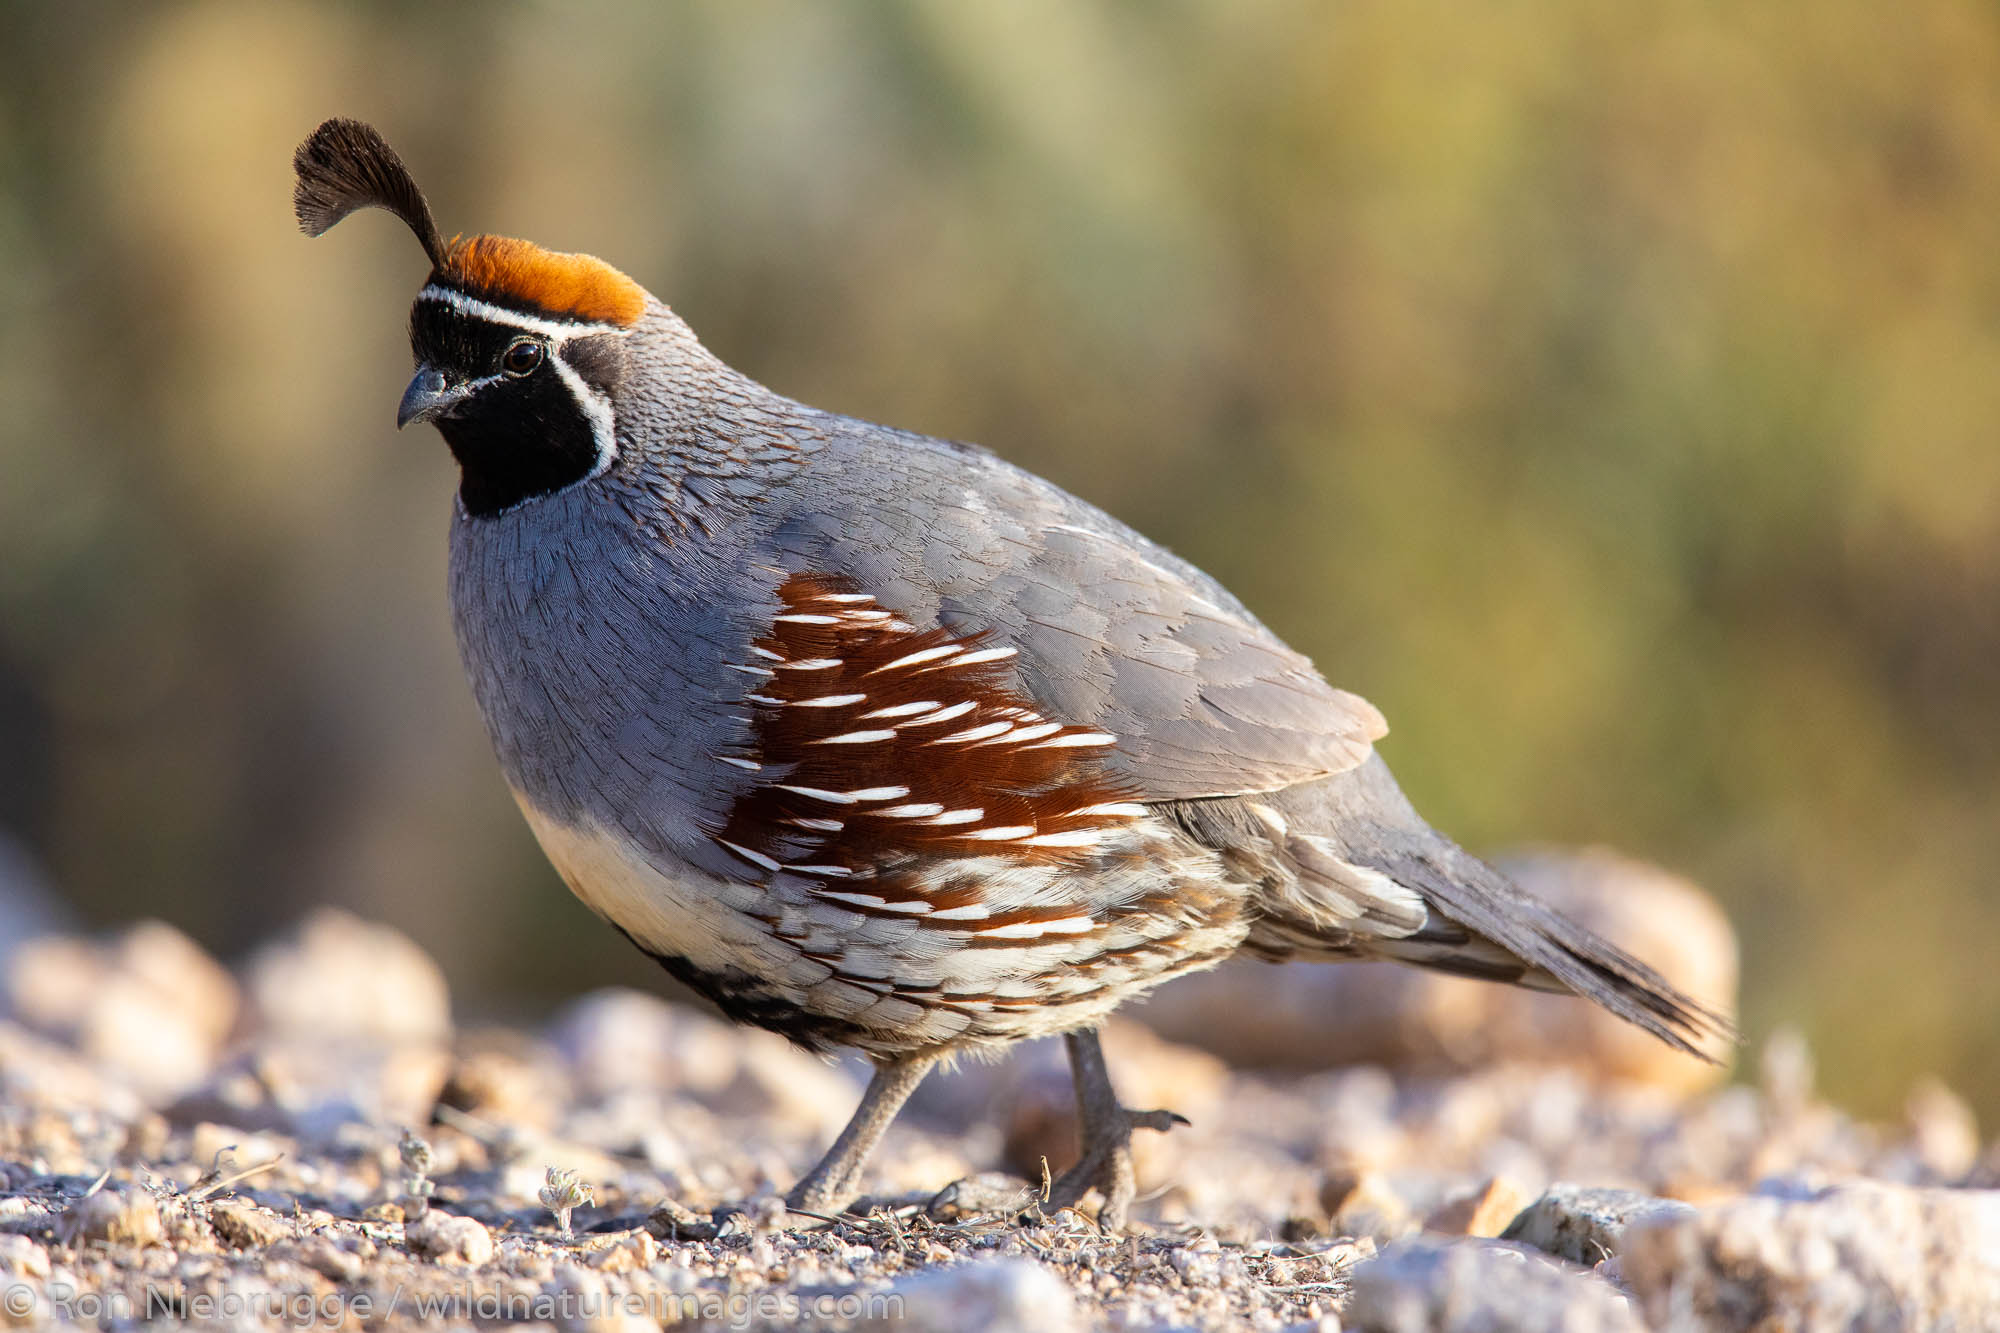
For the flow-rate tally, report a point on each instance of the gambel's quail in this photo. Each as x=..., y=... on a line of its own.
x=877, y=741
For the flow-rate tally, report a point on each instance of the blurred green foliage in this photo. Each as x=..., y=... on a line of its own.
x=1608, y=392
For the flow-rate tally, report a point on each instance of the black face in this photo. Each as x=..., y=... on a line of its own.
x=520, y=429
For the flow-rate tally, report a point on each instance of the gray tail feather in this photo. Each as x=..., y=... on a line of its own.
x=1493, y=910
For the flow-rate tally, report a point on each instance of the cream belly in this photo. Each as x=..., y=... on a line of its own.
x=825, y=974
x=682, y=918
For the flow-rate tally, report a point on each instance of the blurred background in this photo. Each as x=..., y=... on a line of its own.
x=1608, y=393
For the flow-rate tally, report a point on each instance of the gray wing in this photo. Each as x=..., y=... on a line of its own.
x=1112, y=630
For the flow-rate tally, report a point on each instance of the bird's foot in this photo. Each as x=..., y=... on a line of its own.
x=1106, y=1164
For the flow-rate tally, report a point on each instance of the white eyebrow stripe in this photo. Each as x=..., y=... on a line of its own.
x=594, y=405
x=556, y=331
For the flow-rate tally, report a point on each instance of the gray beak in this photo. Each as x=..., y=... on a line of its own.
x=426, y=399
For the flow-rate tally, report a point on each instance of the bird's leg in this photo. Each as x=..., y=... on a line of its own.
x=832, y=1185
x=1105, y=1128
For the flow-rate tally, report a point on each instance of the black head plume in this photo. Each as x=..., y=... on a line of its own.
x=344, y=166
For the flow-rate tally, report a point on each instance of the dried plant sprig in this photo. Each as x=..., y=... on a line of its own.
x=563, y=1194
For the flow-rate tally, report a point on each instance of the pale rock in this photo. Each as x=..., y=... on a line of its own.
x=1585, y=1225
x=148, y=1003
x=1859, y=1258
x=38, y=1075
x=794, y=1089
x=1430, y=1285
x=1359, y=1202
x=339, y=977
x=1486, y=1211
x=449, y=1239
x=617, y=1040
x=116, y=1215
x=1318, y=1016
x=338, y=1259
x=996, y=1296
x=504, y=1079
x=1944, y=1132
x=584, y=1302
x=22, y=1256
x=246, y=1226
x=312, y=1088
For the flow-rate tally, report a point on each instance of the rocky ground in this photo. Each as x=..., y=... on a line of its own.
x=180, y=1141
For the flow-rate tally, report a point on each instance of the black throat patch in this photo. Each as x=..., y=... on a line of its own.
x=516, y=437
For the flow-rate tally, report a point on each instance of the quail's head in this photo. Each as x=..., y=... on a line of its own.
x=520, y=351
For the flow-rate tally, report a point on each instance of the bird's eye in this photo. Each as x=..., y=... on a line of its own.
x=522, y=358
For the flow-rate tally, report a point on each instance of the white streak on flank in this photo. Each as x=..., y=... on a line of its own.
x=853, y=899
x=979, y=733
x=1076, y=739
x=819, y=794
x=844, y=598
x=865, y=616
x=831, y=872
x=969, y=912
x=914, y=906
x=812, y=664
x=829, y=701
x=849, y=797
x=902, y=710
x=1004, y=833
x=767, y=653
x=1028, y=930
x=751, y=764
x=1072, y=838
x=1112, y=810
x=943, y=714
x=856, y=738
x=801, y=618
x=900, y=627
x=984, y=655
x=819, y=825
x=1035, y=733
x=762, y=699
x=972, y=816
x=918, y=811
x=749, y=670
x=919, y=657
x=754, y=858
